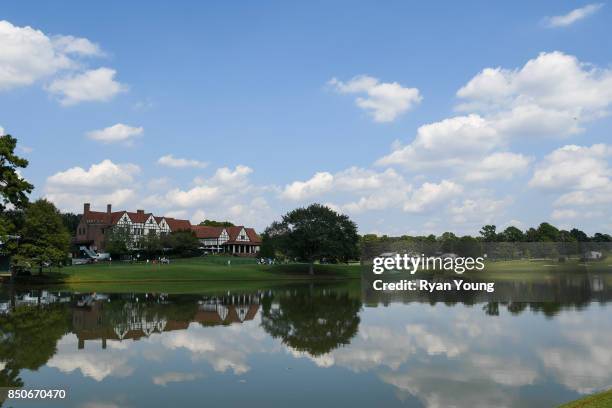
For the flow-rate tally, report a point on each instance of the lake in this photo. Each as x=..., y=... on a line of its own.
x=534, y=344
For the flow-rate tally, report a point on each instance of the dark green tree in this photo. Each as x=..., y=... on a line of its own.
x=578, y=235
x=71, y=222
x=118, y=242
x=152, y=244
x=14, y=192
x=181, y=243
x=469, y=246
x=488, y=233
x=267, y=248
x=14, y=189
x=44, y=238
x=513, y=234
x=548, y=233
x=599, y=237
x=314, y=233
x=213, y=223
x=531, y=235
x=448, y=242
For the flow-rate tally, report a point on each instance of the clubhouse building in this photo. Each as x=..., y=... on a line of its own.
x=95, y=225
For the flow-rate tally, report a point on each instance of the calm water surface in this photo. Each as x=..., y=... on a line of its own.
x=310, y=346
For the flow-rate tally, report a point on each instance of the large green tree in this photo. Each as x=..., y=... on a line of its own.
x=181, y=243
x=44, y=238
x=14, y=189
x=314, y=233
x=548, y=233
x=118, y=242
x=152, y=244
x=14, y=192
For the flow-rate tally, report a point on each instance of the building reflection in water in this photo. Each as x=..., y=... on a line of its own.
x=106, y=319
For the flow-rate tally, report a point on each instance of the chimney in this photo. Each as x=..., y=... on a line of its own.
x=140, y=211
x=85, y=208
x=108, y=208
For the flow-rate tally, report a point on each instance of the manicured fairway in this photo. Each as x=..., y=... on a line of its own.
x=183, y=274
x=193, y=270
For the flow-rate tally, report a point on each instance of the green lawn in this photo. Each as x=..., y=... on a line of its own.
x=530, y=269
x=183, y=271
x=524, y=270
x=601, y=400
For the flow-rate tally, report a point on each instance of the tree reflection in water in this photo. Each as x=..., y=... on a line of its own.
x=28, y=339
x=312, y=322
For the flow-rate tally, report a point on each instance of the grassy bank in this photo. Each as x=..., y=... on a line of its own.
x=183, y=271
x=214, y=270
x=601, y=400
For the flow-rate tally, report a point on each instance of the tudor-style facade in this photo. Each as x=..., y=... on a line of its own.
x=95, y=225
x=237, y=240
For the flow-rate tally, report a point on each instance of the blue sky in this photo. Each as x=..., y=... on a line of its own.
x=245, y=94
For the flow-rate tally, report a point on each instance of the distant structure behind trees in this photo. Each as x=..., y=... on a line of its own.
x=545, y=241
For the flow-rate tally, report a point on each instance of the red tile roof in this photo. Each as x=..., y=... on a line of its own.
x=139, y=217
x=116, y=216
x=203, y=232
x=96, y=216
x=100, y=217
x=253, y=236
x=178, y=225
x=234, y=231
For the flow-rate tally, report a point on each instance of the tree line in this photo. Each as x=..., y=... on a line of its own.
x=310, y=234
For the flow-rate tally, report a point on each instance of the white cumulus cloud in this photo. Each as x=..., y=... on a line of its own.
x=574, y=167
x=69, y=44
x=321, y=182
x=385, y=101
x=552, y=96
x=103, y=174
x=93, y=85
x=447, y=143
x=29, y=56
x=101, y=183
x=116, y=133
x=552, y=81
x=497, y=166
x=430, y=195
